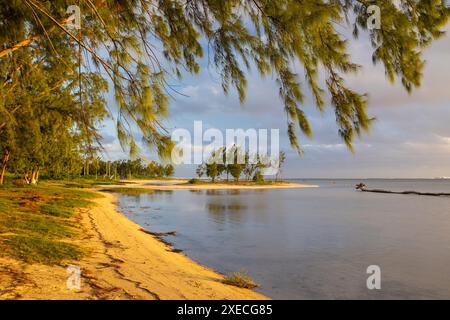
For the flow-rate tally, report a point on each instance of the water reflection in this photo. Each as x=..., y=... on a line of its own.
x=219, y=192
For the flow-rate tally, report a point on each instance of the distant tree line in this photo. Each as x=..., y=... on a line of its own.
x=127, y=169
x=72, y=165
x=238, y=164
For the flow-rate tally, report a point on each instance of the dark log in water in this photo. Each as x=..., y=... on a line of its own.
x=160, y=234
x=362, y=187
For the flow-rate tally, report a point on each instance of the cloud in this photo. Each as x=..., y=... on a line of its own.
x=411, y=137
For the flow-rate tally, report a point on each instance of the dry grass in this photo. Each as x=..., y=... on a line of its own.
x=240, y=280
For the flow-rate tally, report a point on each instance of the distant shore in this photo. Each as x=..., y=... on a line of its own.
x=183, y=184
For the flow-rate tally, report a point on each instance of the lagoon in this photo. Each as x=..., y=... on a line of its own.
x=312, y=243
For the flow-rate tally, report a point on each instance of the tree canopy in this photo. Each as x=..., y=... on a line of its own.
x=138, y=48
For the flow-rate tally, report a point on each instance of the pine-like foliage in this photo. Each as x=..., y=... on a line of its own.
x=139, y=46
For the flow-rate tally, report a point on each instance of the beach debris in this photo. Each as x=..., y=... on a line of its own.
x=360, y=186
x=240, y=280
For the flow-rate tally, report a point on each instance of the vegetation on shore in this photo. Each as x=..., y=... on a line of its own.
x=196, y=181
x=89, y=171
x=239, y=163
x=127, y=169
x=39, y=223
x=240, y=280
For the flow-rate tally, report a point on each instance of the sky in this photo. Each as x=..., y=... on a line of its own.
x=409, y=139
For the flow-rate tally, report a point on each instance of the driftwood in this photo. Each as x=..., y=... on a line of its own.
x=159, y=234
x=362, y=187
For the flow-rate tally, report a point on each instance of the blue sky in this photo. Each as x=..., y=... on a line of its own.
x=410, y=139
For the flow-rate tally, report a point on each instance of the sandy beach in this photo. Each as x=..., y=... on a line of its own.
x=181, y=184
x=124, y=263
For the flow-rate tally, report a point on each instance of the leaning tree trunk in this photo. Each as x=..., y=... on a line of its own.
x=32, y=176
x=35, y=176
x=26, y=177
x=5, y=161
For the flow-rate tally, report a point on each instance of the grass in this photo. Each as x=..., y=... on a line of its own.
x=42, y=250
x=90, y=183
x=63, y=207
x=240, y=280
x=38, y=223
x=36, y=226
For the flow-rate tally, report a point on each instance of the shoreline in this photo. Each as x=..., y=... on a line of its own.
x=151, y=264
x=181, y=184
x=122, y=263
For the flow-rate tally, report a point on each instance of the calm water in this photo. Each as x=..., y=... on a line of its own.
x=312, y=243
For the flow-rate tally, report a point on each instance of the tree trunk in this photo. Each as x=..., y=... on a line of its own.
x=26, y=178
x=86, y=168
x=34, y=176
x=3, y=167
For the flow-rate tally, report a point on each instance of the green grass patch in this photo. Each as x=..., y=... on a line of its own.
x=62, y=191
x=37, y=222
x=41, y=250
x=4, y=204
x=91, y=183
x=64, y=207
x=39, y=226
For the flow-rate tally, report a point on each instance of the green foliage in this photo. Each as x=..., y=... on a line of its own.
x=52, y=87
x=64, y=207
x=41, y=250
x=194, y=181
x=32, y=235
x=200, y=171
x=258, y=177
x=212, y=170
x=234, y=165
x=237, y=163
x=168, y=170
x=36, y=226
x=89, y=183
x=281, y=160
x=125, y=169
